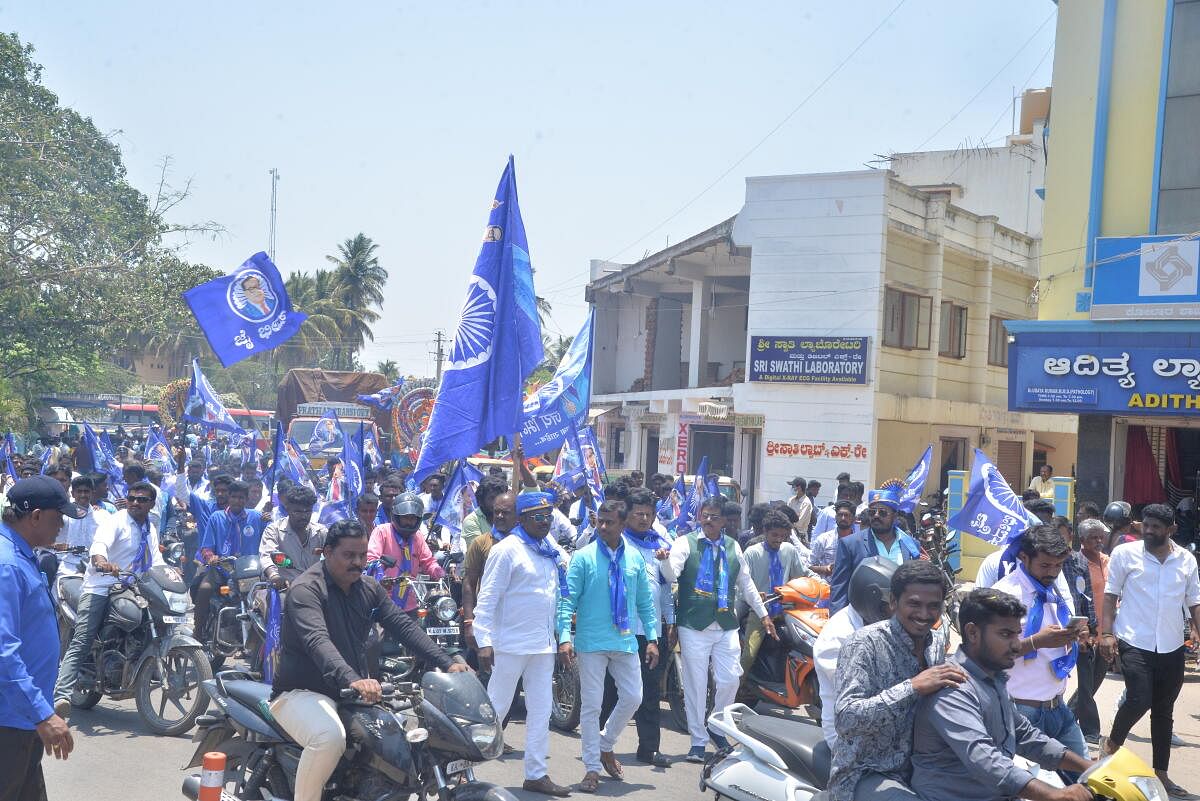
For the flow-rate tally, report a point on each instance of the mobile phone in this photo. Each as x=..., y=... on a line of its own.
x=1075, y=620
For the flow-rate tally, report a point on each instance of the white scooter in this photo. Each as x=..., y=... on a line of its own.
x=782, y=759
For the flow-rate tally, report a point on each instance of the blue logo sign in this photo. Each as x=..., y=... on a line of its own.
x=1146, y=278
x=809, y=360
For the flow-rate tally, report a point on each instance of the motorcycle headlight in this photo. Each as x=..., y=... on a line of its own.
x=445, y=609
x=178, y=601
x=486, y=737
x=797, y=631
x=1150, y=786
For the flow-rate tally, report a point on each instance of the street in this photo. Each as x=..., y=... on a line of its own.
x=116, y=759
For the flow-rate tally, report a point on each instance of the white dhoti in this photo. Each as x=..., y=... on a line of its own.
x=699, y=649
x=536, y=671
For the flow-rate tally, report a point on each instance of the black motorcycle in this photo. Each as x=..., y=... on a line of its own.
x=420, y=740
x=143, y=650
x=437, y=613
x=235, y=625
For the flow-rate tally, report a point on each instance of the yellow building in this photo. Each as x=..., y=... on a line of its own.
x=1118, y=336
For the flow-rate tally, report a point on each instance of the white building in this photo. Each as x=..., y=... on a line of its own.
x=925, y=282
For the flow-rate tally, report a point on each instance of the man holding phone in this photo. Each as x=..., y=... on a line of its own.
x=1051, y=634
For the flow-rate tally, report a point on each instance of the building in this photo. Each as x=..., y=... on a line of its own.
x=1117, y=341
x=839, y=322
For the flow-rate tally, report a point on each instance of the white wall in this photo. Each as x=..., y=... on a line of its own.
x=726, y=334
x=816, y=269
x=995, y=180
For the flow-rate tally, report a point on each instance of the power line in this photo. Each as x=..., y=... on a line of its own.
x=833, y=73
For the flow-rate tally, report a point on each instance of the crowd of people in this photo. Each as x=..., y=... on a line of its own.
x=613, y=588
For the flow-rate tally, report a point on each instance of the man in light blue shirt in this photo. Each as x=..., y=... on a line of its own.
x=609, y=588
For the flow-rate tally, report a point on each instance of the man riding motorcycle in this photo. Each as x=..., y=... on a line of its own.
x=330, y=610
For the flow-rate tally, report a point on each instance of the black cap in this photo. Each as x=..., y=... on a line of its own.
x=843, y=476
x=42, y=492
x=796, y=482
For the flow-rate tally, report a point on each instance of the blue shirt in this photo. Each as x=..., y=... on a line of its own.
x=28, y=636
x=226, y=535
x=202, y=508
x=587, y=578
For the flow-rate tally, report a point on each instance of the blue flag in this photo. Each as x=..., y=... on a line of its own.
x=9, y=446
x=364, y=440
x=46, y=461
x=102, y=462
x=458, y=499
x=10, y=468
x=384, y=399
x=914, y=483
x=272, y=641
x=497, y=345
x=204, y=407
x=689, y=510
x=245, y=312
x=327, y=433
x=158, y=453
x=563, y=401
x=992, y=511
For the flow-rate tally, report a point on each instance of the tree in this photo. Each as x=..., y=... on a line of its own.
x=389, y=369
x=82, y=248
x=358, y=281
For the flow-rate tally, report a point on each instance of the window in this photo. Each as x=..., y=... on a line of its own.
x=906, y=319
x=997, y=342
x=952, y=338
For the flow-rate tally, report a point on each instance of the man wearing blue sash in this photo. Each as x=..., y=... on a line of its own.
x=607, y=589
x=233, y=531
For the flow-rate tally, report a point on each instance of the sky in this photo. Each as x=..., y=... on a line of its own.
x=633, y=125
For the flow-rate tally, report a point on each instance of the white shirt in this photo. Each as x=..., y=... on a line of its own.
x=803, y=508
x=80, y=533
x=833, y=635
x=118, y=539
x=826, y=521
x=989, y=574
x=1034, y=679
x=681, y=549
x=1154, y=595
x=518, y=600
x=660, y=591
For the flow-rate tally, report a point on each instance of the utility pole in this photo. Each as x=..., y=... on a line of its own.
x=274, y=186
x=440, y=339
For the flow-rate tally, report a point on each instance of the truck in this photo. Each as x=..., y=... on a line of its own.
x=306, y=395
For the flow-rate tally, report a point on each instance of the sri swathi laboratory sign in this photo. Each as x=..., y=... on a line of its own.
x=809, y=360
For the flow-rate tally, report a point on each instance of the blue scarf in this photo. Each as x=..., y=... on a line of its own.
x=141, y=562
x=651, y=541
x=616, y=585
x=497, y=534
x=775, y=607
x=229, y=541
x=712, y=563
x=1063, y=665
x=405, y=566
x=543, y=547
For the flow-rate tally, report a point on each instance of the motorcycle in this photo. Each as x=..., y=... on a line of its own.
x=941, y=544
x=437, y=613
x=68, y=586
x=774, y=757
x=421, y=739
x=235, y=625
x=784, y=671
x=144, y=651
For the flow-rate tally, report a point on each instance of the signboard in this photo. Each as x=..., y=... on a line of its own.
x=817, y=449
x=1082, y=378
x=1146, y=278
x=809, y=360
x=681, y=450
x=344, y=410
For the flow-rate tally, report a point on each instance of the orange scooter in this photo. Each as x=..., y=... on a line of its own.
x=784, y=671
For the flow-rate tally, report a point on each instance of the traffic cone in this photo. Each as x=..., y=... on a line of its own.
x=212, y=776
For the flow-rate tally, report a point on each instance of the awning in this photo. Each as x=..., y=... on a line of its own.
x=596, y=411
x=1041, y=446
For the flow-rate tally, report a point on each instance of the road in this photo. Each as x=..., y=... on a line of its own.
x=115, y=757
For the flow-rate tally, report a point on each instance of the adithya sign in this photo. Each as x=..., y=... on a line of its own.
x=1129, y=374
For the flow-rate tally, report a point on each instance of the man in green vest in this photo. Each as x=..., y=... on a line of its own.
x=712, y=577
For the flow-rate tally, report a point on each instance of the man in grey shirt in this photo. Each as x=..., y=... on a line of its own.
x=883, y=669
x=771, y=563
x=965, y=737
x=297, y=536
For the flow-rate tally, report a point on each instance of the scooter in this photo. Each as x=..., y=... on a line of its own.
x=784, y=672
x=774, y=757
x=422, y=740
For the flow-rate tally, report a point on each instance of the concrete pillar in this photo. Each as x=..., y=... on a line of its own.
x=698, y=341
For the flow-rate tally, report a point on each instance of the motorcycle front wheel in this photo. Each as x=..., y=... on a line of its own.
x=168, y=692
x=567, y=698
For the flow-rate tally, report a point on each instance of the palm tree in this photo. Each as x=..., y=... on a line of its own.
x=390, y=370
x=359, y=275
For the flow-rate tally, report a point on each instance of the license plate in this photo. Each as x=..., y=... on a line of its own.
x=174, y=618
x=458, y=765
x=435, y=630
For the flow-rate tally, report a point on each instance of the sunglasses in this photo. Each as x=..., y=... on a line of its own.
x=882, y=512
x=540, y=517
x=138, y=499
x=712, y=517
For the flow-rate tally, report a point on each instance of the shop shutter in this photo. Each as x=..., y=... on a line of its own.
x=1010, y=459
